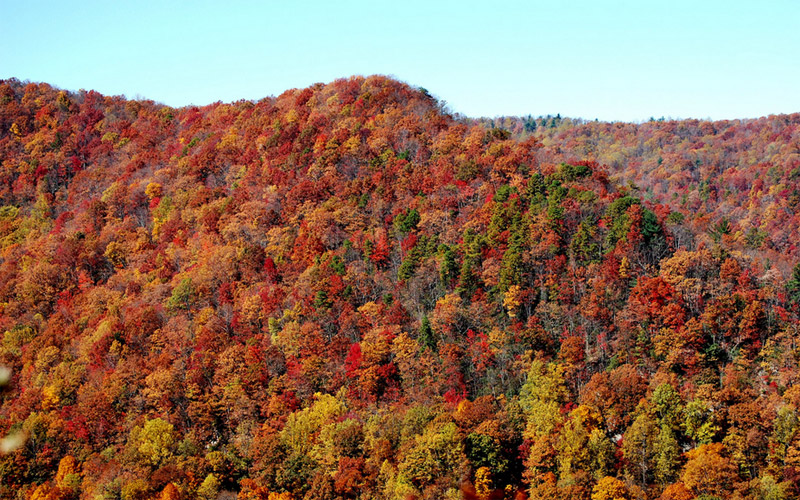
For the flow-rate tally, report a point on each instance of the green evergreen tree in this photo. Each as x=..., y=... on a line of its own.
x=468, y=278
x=427, y=337
x=448, y=269
x=793, y=286
x=667, y=456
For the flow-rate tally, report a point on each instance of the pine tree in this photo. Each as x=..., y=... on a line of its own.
x=793, y=286
x=427, y=337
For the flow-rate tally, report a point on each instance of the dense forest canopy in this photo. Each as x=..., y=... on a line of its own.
x=346, y=292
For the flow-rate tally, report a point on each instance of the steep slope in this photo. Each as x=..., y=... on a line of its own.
x=345, y=292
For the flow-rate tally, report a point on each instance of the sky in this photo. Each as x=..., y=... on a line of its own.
x=609, y=60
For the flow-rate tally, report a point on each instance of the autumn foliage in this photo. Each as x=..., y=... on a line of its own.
x=348, y=292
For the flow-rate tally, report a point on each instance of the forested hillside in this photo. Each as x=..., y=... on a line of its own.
x=736, y=177
x=346, y=292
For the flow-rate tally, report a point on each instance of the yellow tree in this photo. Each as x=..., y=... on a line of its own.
x=209, y=488
x=68, y=476
x=542, y=396
x=437, y=455
x=708, y=471
x=639, y=448
x=154, y=441
x=581, y=445
x=610, y=488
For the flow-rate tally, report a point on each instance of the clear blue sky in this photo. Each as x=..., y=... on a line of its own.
x=612, y=60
